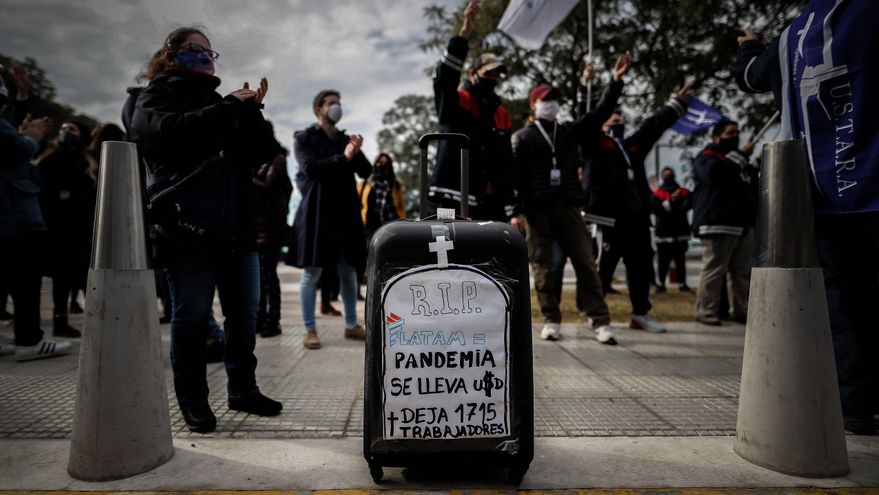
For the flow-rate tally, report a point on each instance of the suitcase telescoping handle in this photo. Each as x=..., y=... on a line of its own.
x=464, y=143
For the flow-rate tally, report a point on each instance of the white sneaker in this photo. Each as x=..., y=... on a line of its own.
x=646, y=322
x=44, y=348
x=550, y=332
x=6, y=349
x=604, y=335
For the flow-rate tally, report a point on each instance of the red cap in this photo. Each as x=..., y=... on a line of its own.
x=541, y=92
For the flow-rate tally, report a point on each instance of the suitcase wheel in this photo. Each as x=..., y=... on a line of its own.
x=516, y=474
x=376, y=472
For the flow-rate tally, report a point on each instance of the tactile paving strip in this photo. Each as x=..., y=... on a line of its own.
x=681, y=383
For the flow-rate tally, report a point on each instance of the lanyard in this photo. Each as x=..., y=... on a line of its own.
x=550, y=142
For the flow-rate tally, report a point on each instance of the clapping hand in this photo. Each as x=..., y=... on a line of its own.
x=35, y=128
x=355, y=142
x=245, y=93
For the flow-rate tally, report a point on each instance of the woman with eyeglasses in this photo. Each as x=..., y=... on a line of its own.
x=200, y=148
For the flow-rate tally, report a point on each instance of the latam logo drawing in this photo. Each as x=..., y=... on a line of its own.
x=445, y=365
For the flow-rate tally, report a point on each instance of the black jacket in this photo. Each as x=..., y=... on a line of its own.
x=180, y=123
x=725, y=196
x=758, y=69
x=611, y=193
x=533, y=157
x=487, y=124
x=327, y=226
x=671, y=214
x=273, y=190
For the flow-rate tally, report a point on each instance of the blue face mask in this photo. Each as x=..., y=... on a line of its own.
x=198, y=62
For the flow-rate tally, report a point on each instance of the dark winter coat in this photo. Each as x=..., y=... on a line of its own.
x=487, y=124
x=725, y=196
x=273, y=190
x=19, y=183
x=327, y=226
x=128, y=108
x=617, y=185
x=67, y=199
x=180, y=122
x=533, y=157
x=671, y=214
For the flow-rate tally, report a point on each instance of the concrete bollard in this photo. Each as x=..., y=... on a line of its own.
x=121, y=425
x=790, y=416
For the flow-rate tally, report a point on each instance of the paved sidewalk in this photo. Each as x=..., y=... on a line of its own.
x=681, y=385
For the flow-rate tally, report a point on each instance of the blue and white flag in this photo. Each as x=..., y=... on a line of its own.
x=529, y=22
x=699, y=116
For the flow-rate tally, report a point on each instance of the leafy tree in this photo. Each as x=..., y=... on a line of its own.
x=672, y=41
x=42, y=93
x=411, y=117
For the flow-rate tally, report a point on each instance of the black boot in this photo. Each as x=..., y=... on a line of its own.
x=60, y=328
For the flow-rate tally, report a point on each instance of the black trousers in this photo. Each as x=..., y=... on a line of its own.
x=672, y=251
x=269, y=313
x=20, y=265
x=848, y=247
x=629, y=240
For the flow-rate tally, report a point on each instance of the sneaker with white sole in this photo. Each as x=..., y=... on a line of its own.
x=7, y=349
x=550, y=332
x=646, y=322
x=44, y=349
x=605, y=335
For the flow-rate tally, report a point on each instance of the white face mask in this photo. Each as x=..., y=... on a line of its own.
x=547, y=109
x=334, y=113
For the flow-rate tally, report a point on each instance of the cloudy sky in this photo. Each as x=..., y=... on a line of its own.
x=367, y=49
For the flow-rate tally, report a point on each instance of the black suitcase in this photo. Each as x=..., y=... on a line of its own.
x=448, y=377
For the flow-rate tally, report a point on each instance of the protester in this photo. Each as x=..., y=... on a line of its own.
x=83, y=244
x=381, y=196
x=475, y=110
x=22, y=228
x=188, y=131
x=328, y=229
x=548, y=196
x=67, y=175
x=619, y=200
x=671, y=202
x=823, y=71
x=273, y=189
x=724, y=215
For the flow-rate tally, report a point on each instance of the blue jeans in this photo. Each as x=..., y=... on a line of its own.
x=192, y=279
x=347, y=288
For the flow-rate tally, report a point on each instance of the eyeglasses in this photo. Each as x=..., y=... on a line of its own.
x=192, y=47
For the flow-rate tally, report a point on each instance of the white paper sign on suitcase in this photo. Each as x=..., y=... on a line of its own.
x=445, y=361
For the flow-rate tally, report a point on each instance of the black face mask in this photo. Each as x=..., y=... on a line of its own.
x=68, y=139
x=485, y=87
x=669, y=183
x=728, y=144
x=616, y=131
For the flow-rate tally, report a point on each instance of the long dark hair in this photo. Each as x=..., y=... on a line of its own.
x=82, y=150
x=172, y=44
x=390, y=167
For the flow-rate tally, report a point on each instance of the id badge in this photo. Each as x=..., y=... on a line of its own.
x=555, y=177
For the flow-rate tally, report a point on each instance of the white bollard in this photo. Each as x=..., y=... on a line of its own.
x=121, y=425
x=790, y=416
